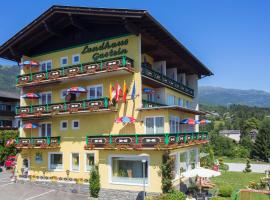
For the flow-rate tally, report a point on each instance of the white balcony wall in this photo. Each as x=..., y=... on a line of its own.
x=160, y=66
x=172, y=73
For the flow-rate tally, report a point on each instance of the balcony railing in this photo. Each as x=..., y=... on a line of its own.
x=38, y=142
x=78, y=70
x=166, y=80
x=64, y=107
x=151, y=104
x=146, y=141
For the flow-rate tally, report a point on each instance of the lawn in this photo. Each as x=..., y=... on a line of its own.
x=239, y=180
x=241, y=160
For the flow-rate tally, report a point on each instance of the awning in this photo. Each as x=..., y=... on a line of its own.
x=201, y=172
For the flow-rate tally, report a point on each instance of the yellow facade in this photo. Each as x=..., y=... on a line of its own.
x=74, y=140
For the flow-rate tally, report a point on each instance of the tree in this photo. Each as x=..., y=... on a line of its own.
x=261, y=147
x=248, y=167
x=94, y=182
x=167, y=168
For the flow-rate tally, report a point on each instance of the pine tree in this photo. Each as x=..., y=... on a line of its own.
x=167, y=172
x=261, y=148
x=94, y=182
x=248, y=167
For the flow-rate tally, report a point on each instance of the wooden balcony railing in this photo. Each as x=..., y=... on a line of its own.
x=92, y=105
x=78, y=70
x=146, y=141
x=38, y=142
x=166, y=80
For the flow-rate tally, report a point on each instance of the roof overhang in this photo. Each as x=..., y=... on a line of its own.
x=177, y=108
x=50, y=23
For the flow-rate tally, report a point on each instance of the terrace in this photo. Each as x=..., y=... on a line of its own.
x=146, y=141
x=84, y=106
x=38, y=142
x=116, y=66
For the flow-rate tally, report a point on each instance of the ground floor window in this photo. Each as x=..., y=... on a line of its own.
x=75, y=162
x=89, y=161
x=55, y=161
x=129, y=170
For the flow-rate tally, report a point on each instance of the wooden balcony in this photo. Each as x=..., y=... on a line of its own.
x=163, y=80
x=146, y=141
x=84, y=106
x=38, y=142
x=75, y=71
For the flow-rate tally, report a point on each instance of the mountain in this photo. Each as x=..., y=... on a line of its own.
x=224, y=96
x=8, y=78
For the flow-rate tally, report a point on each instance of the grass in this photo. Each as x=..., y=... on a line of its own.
x=239, y=180
x=242, y=160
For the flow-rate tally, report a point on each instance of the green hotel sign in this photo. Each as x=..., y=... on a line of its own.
x=106, y=49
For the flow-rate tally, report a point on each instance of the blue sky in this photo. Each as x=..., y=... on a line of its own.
x=231, y=37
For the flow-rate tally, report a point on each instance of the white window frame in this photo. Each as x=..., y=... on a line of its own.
x=41, y=93
x=70, y=164
x=155, y=132
x=73, y=56
x=75, y=128
x=131, y=157
x=49, y=161
x=85, y=159
x=40, y=128
x=94, y=86
x=61, y=61
x=61, y=127
x=177, y=120
x=45, y=61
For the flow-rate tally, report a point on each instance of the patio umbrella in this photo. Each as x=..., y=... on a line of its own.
x=30, y=125
x=31, y=96
x=125, y=120
x=29, y=63
x=205, y=121
x=188, y=121
x=76, y=90
x=201, y=172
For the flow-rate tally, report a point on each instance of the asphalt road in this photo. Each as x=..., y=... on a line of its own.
x=17, y=191
x=239, y=167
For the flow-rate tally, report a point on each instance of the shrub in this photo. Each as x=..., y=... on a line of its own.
x=1, y=169
x=175, y=195
x=217, y=198
x=225, y=191
x=94, y=182
x=248, y=167
x=167, y=172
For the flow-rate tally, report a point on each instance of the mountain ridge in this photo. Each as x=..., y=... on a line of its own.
x=225, y=96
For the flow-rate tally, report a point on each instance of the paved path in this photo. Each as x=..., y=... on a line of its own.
x=17, y=191
x=239, y=167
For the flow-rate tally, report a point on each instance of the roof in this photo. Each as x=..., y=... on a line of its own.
x=9, y=95
x=55, y=19
x=178, y=108
x=230, y=132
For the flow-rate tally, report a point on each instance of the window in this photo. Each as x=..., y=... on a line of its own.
x=63, y=93
x=154, y=125
x=45, y=130
x=75, y=124
x=64, y=61
x=95, y=92
x=187, y=104
x=45, y=98
x=89, y=161
x=75, y=162
x=128, y=170
x=76, y=59
x=174, y=124
x=183, y=162
x=180, y=102
x=56, y=161
x=64, y=125
x=170, y=100
x=45, y=65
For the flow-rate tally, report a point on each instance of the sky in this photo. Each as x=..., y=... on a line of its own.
x=232, y=38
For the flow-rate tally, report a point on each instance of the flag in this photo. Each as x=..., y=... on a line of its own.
x=112, y=93
x=118, y=91
x=125, y=92
x=133, y=93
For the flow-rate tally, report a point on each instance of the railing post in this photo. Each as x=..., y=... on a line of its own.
x=48, y=140
x=65, y=106
x=86, y=140
x=124, y=61
x=166, y=138
x=185, y=137
x=136, y=138
x=110, y=138
x=46, y=74
x=177, y=137
x=106, y=102
x=47, y=108
x=101, y=66
x=81, y=67
x=84, y=104
x=31, y=77
x=62, y=71
x=31, y=109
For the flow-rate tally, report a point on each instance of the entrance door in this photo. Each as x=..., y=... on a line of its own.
x=25, y=167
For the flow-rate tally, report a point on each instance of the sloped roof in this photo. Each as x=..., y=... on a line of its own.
x=135, y=21
x=9, y=95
